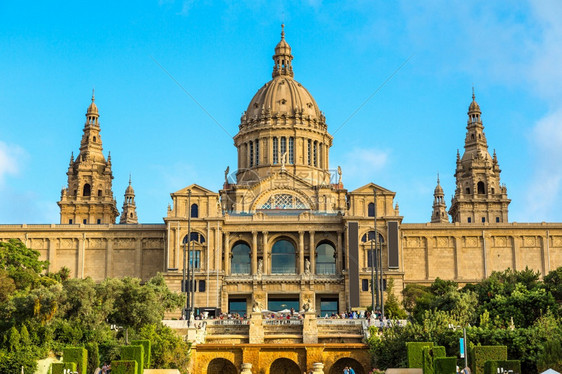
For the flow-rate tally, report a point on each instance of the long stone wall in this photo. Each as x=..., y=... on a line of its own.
x=96, y=251
x=470, y=253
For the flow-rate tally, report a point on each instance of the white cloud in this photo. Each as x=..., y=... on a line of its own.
x=360, y=164
x=10, y=160
x=543, y=193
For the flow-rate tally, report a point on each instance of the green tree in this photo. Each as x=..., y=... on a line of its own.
x=169, y=351
x=21, y=263
x=553, y=283
x=392, y=306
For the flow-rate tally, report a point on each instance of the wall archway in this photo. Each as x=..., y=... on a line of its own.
x=221, y=366
x=284, y=366
x=337, y=367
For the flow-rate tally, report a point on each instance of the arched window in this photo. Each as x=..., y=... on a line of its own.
x=481, y=189
x=284, y=201
x=87, y=190
x=251, y=154
x=240, y=263
x=283, y=259
x=194, y=211
x=371, y=210
x=325, y=259
x=291, y=150
x=283, y=145
x=195, y=237
x=257, y=152
x=315, y=153
x=371, y=236
x=275, y=151
x=309, y=152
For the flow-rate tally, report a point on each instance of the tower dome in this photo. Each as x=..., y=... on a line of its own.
x=283, y=98
x=283, y=128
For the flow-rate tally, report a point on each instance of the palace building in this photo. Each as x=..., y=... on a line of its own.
x=284, y=230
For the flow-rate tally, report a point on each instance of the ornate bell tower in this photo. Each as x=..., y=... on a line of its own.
x=439, y=214
x=129, y=211
x=479, y=196
x=88, y=198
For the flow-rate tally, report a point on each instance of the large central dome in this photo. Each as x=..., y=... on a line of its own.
x=283, y=98
x=283, y=129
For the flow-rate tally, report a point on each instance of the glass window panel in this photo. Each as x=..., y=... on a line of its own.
x=240, y=263
x=325, y=259
x=328, y=307
x=237, y=306
x=277, y=305
x=283, y=259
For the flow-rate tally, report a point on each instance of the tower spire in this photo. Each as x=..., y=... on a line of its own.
x=89, y=198
x=129, y=211
x=479, y=197
x=439, y=214
x=282, y=57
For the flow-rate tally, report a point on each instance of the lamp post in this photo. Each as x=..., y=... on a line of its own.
x=372, y=256
x=187, y=259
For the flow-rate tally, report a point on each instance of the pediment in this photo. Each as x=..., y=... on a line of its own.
x=196, y=190
x=368, y=189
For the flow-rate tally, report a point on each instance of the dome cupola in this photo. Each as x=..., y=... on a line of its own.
x=283, y=125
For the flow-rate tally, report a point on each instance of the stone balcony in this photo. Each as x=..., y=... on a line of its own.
x=257, y=330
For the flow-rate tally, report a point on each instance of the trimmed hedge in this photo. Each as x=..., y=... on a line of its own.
x=133, y=352
x=482, y=353
x=58, y=367
x=445, y=365
x=146, y=345
x=124, y=367
x=415, y=354
x=491, y=367
x=428, y=356
x=79, y=355
x=439, y=351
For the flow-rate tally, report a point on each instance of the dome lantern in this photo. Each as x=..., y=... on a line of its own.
x=282, y=57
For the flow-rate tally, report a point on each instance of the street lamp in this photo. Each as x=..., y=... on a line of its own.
x=187, y=259
x=464, y=352
x=372, y=256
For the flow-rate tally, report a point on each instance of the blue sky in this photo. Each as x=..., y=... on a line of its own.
x=53, y=53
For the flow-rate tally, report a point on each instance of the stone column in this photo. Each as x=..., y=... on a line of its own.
x=226, y=247
x=516, y=249
x=80, y=257
x=265, y=252
x=318, y=368
x=428, y=248
x=339, y=250
x=138, y=258
x=254, y=252
x=246, y=369
x=310, y=328
x=51, y=255
x=312, y=251
x=301, y=252
x=256, y=328
x=109, y=259
x=457, y=247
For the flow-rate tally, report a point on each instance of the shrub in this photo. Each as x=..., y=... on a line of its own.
x=58, y=367
x=146, y=346
x=415, y=355
x=428, y=355
x=491, y=367
x=135, y=353
x=124, y=367
x=482, y=353
x=79, y=355
x=93, y=356
x=445, y=365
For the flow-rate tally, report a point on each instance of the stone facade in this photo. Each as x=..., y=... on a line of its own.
x=283, y=230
